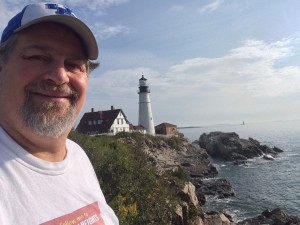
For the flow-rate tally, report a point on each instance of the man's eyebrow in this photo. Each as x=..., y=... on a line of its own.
x=42, y=48
x=36, y=47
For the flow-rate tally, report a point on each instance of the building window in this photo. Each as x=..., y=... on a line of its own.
x=90, y=122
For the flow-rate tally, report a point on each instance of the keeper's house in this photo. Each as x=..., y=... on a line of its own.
x=103, y=122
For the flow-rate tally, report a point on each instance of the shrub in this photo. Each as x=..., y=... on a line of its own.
x=129, y=183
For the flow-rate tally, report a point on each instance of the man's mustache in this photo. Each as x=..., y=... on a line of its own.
x=48, y=88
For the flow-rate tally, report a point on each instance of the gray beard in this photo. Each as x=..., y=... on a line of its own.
x=47, y=118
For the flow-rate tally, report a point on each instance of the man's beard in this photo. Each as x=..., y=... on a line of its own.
x=51, y=119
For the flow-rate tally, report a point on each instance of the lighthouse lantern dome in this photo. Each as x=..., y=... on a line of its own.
x=143, y=81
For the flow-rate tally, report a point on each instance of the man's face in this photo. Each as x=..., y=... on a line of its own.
x=43, y=84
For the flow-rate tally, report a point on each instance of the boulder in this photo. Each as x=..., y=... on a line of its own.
x=278, y=150
x=195, y=161
x=216, y=187
x=274, y=217
x=230, y=147
x=189, y=202
x=188, y=194
x=217, y=218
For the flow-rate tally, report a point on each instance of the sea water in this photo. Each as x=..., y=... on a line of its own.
x=260, y=184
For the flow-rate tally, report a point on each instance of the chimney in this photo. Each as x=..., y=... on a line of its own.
x=112, y=108
x=92, y=110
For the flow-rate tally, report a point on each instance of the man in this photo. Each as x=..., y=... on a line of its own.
x=45, y=178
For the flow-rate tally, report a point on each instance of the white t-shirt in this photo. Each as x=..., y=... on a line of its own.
x=34, y=191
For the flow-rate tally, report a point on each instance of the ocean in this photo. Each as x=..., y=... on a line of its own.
x=260, y=184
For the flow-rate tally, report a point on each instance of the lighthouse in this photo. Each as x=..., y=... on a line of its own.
x=145, y=112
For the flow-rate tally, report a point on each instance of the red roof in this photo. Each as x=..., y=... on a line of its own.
x=166, y=125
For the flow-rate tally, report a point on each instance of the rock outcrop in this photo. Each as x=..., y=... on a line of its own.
x=220, y=188
x=217, y=218
x=229, y=146
x=195, y=161
x=189, y=202
x=274, y=217
x=190, y=157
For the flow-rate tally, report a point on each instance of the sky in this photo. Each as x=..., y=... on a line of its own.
x=206, y=61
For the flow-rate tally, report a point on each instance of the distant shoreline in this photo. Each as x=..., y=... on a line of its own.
x=189, y=127
x=237, y=124
x=213, y=125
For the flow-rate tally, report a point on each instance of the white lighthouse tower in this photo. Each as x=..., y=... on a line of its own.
x=145, y=112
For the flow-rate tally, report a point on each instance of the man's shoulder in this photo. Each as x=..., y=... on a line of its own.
x=72, y=144
x=75, y=150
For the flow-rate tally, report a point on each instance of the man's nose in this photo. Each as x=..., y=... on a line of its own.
x=58, y=74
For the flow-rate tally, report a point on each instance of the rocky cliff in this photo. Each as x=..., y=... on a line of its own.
x=192, y=157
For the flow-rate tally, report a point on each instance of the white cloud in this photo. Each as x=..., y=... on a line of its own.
x=104, y=31
x=214, y=5
x=258, y=50
x=248, y=69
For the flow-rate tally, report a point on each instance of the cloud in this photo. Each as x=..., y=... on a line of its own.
x=248, y=69
x=104, y=31
x=258, y=49
x=211, y=6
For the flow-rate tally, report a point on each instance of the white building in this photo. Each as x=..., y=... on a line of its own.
x=145, y=112
x=103, y=122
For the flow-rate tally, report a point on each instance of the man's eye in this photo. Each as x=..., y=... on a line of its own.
x=72, y=66
x=75, y=67
x=38, y=58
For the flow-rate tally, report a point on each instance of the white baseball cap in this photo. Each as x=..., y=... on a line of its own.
x=52, y=12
